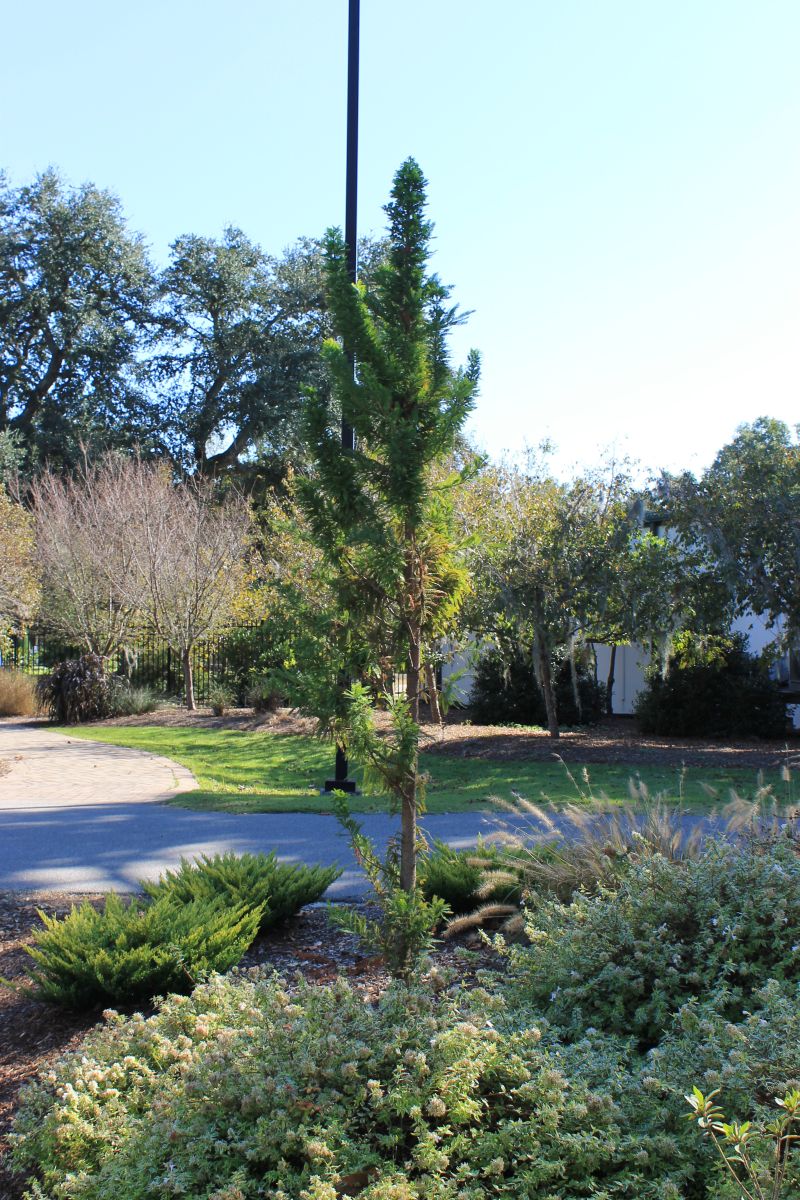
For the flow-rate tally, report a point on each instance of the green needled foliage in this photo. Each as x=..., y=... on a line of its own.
x=258, y=881
x=134, y=951
x=381, y=514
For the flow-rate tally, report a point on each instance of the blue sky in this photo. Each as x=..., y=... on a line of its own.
x=615, y=183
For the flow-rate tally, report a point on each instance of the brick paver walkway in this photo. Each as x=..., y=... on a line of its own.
x=40, y=768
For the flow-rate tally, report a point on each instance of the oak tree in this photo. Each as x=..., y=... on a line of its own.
x=76, y=290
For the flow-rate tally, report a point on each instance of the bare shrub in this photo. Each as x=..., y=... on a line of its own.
x=190, y=556
x=123, y=547
x=86, y=541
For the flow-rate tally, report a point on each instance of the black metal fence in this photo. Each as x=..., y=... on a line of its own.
x=227, y=659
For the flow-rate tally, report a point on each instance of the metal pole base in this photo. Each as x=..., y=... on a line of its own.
x=339, y=785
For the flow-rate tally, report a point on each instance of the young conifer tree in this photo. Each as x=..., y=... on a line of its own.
x=381, y=513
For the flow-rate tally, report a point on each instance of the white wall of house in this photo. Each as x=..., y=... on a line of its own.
x=632, y=660
x=630, y=664
x=462, y=666
x=759, y=634
x=629, y=667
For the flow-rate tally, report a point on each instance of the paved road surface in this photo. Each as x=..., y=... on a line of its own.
x=80, y=816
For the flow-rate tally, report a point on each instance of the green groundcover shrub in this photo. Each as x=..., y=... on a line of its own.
x=565, y=1078
x=245, y=1090
x=505, y=691
x=257, y=880
x=731, y=695
x=624, y=959
x=132, y=951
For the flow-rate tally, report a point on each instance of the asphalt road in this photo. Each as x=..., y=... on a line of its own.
x=80, y=816
x=97, y=848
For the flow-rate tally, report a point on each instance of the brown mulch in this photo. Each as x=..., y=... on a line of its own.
x=614, y=740
x=32, y=1033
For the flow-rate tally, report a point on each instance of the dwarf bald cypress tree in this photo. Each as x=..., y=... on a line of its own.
x=381, y=513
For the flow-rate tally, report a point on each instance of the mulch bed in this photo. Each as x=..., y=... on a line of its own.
x=614, y=740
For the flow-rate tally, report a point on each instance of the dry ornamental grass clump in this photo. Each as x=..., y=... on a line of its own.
x=17, y=694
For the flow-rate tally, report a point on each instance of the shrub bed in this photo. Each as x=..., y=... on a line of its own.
x=505, y=691
x=565, y=1076
x=625, y=958
x=245, y=1090
x=729, y=695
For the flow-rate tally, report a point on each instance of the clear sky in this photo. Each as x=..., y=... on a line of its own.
x=615, y=183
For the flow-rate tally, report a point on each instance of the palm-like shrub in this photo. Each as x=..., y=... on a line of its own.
x=76, y=690
x=133, y=951
x=279, y=890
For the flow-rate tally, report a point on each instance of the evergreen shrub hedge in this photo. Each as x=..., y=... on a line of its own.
x=505, y=692
x=730, y=696
x=279, y=890
x=130, y=952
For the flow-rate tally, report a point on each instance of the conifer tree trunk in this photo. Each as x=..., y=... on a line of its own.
x=408, y=798
x=408, y=832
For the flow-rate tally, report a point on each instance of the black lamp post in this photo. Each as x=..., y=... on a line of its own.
x=340, y=782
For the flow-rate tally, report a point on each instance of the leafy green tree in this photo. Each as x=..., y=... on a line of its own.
x=238, y=341
x=380, y=514
x=239, y=338
x=661, y=587
x=744, y=513
x=75, y=294
x=546, y=561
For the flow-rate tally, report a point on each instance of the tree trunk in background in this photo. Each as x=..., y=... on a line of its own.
x=544, y=677
x=188, y=681
x=610, y=681
x=433, y=694
x=414, y=673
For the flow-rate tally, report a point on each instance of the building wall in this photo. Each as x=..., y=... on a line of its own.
x=462, y=664
x=628, y=674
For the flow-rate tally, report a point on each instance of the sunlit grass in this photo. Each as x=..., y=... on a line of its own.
x=267, y=772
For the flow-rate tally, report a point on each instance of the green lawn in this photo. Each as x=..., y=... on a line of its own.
x=262, y=772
